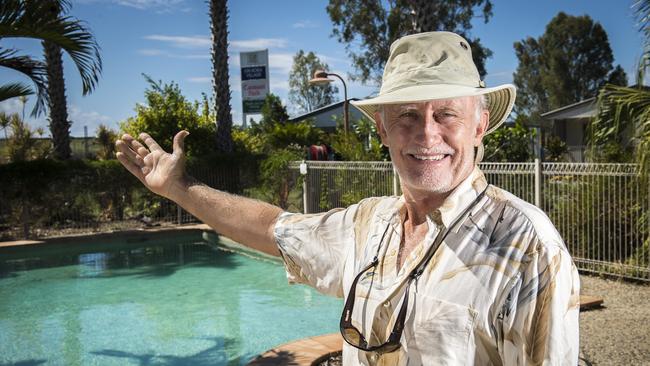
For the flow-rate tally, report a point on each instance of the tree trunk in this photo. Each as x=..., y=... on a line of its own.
x=59, y=124
x=220, y=82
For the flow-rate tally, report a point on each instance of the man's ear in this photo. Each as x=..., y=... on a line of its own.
x=379, y=123
x=481, y=127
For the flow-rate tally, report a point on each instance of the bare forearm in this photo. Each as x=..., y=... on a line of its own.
x=244, y=220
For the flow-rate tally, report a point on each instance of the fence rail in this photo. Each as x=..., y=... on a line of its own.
x=602, y=211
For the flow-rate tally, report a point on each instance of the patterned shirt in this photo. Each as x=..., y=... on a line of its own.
x=501, y=289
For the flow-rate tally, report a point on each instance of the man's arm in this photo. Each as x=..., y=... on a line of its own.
x=247, y=221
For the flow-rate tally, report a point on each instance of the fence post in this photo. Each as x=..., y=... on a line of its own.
x=395, y=183
x=305, y=187
x=538, y=182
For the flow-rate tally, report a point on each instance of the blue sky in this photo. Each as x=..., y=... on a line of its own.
x=170, y=41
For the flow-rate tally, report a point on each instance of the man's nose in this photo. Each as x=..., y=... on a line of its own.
x=429, y=133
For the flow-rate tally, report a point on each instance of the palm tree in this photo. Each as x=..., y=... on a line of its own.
x=59, y=124
x=627, y=109
x=220, y=83
x=43, y=20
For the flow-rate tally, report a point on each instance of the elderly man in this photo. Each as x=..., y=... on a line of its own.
x=455, y=271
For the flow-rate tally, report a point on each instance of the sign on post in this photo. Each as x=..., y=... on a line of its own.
x=254, y=81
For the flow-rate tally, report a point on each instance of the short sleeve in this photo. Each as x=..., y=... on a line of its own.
x=541, y=326
x=314, y=247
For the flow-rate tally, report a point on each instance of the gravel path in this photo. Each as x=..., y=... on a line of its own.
x=617, y=333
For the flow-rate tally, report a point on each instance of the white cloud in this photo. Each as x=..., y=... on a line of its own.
x=329, y=60
x=499, y=77
x=156, y=53
x=79, y=118
x=159, y=6
x=196, y=41
x=149, y=4
x=305, y=24
x=14, y=105
x=152, y=52
x=91, y=119
x=192, y=57
x=200, y=79
x=279, y=84
x=259, y=43
x=282, y=62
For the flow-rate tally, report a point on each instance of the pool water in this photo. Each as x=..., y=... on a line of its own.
x=177, y=302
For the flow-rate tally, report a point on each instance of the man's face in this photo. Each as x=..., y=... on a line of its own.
x=432, y=143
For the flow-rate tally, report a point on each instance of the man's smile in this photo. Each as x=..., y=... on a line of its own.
x=433, y=157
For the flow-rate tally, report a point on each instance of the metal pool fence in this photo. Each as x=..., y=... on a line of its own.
x=601, y=210
x=98, y=202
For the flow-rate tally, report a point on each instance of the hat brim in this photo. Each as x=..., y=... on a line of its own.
x=500, y=99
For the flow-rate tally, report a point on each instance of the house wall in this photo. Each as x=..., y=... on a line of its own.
x=572, y=132
x=326, y=119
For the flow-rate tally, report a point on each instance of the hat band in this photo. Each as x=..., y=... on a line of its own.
x=447, y=76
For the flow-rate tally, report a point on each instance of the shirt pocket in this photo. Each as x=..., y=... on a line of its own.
x=442, y=332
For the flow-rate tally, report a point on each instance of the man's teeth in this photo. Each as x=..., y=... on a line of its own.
x=430, y=157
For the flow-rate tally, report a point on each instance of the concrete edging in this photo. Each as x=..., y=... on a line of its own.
x=303, y=352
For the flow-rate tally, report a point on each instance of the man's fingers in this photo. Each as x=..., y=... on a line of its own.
x=135, y=145
x=125, y=149
x=130, y=166
x=150, y=142
x=179, y=142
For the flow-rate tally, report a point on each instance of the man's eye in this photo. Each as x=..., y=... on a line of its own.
x=446, y=115
x=408, y=115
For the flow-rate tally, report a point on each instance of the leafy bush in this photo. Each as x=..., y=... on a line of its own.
x=509, y=144
x=45, y=194
x=166, y=112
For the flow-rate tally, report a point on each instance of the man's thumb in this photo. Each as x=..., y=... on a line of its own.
x=179, y=142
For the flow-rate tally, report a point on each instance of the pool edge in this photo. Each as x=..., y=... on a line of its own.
x=302, y=352
x=128, y=234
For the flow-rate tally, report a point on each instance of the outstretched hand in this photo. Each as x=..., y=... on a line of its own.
x=157, y=169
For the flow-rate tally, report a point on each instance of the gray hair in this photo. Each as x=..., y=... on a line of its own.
x=481, y=102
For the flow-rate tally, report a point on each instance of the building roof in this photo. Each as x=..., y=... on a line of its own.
x=583, y=109
x=319, y=110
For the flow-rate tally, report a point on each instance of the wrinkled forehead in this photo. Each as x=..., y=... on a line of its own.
x=461, y=103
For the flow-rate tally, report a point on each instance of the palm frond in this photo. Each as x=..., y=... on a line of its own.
x=13, y=90
x=34, y=69
x=32, y=19
x=623, y=105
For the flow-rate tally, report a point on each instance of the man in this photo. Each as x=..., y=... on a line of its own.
x=455, y=271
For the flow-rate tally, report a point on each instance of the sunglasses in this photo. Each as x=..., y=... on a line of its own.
x=352, y=335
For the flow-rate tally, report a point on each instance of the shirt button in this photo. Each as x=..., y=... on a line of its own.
x=387, y=304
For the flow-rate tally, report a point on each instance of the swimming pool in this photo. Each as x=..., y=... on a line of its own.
x=172, y=301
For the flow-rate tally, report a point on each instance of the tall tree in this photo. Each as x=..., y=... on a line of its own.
x=57, y=104
x=220, y=82
x=32, y=19
x=304, y=96
x=273, y=111
x=570, y=62
x=374, y=25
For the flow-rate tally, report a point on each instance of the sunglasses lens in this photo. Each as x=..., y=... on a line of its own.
x=352, y=336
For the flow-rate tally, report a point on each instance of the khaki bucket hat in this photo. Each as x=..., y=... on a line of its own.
x=436, y=65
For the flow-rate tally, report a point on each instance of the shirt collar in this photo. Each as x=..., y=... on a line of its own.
x=461, y=197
